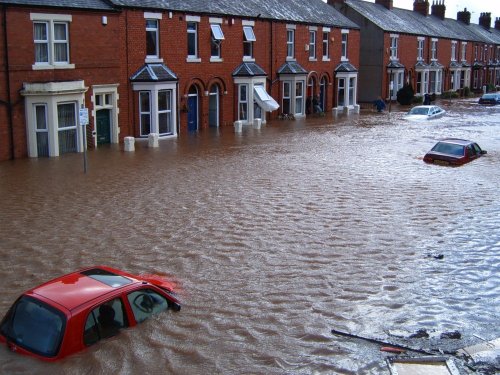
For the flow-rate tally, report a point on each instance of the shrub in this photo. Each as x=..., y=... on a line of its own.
x=405, y=95
x=450, y=95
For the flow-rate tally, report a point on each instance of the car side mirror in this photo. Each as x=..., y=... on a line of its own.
x=483, y=152
x=174, y=306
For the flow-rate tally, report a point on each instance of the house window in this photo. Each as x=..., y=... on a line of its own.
x=326, y=52
x=464, y=51
x=312, y=45
x=394, y=47
x=341, y=92
x=51, y=40
x=243, y=102
x=344, y=45
x=434, y=49
x=192, y=40
x=152, y=45
x=165, y=123
x=248, y=40
x=420, y=49
x=66, y=123
x=453, y=50
x=145, y=112
x=286, y=102
x=41, y=42
x=290, y=43
x=217, y=38
x=41, y=129
x=299, y=98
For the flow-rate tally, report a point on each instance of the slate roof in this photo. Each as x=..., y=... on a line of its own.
x=153, y=73
x=345, y=67
x=249, y=69
x=298, y=11
x=73, y=4
x=291, y=67
x=406, y=21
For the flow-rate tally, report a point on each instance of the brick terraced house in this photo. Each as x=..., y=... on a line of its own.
x=165, y=67
x=432, y=53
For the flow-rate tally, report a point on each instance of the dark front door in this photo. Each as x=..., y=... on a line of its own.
x=103, y=125
x=192, y=113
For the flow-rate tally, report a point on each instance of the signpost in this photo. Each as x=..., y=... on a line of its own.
x=84, y=121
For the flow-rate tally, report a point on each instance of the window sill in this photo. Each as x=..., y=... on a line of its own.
x=216, y=59
x=193, y=59
x=52, y=67
x=248, y=59
x=313, y=59
x=326, y=59
x=291, y=59
x=344, y=59
x=153, y=60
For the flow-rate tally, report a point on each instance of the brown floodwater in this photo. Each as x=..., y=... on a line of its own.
x=275, y=236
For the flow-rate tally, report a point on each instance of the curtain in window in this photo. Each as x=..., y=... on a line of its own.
x=60, y=43
x=41, y=43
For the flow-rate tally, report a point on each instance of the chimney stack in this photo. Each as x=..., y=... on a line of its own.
x=421, y=6
x=464, y=16
x=333, y=2
x=497, y=23
x=485, y=20
x=385, y=3
x=438, y=9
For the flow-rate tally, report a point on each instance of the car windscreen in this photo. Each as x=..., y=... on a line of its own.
x=34, y=326
x=419, y=111
x=449, y=149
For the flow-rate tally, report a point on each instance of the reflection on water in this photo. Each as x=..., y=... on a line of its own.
x=275, y=236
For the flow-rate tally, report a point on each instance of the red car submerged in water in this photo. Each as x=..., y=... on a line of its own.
x=72, y=312
x=453, y=151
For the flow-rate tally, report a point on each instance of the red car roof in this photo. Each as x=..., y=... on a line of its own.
x=76, y=288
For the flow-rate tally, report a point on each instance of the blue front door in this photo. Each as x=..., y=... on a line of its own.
x=192, y=113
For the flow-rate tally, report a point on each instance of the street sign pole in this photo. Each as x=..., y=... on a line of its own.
x=84, y=121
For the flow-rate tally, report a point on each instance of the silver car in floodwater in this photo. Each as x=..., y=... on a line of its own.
x=425, y=112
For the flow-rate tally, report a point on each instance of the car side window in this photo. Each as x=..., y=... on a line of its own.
x=104, y=321
x=146, y=302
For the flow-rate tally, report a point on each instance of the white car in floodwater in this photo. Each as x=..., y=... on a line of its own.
x=425, y=112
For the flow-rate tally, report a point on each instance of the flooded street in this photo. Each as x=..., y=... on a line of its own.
x=275, y=236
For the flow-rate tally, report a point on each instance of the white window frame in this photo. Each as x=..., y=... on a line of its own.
x=434, y=46
x=192, y=33
x=454, y=44
x=52, y=94
x=326, y=44
x=51, y=20
x=216, y=38
x=167, y=111
x=420, y=48
x=154, y=89
x=345, y=41
x=243, y=101
x=155, y=31
x=312, y=43
x=290, y=43
x=394, y=47
x=297, y=101
x=248, y=41
x=464, y=51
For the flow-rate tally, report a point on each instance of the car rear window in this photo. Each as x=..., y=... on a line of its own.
x=35, y=326
x=107, y=277
x=449, y=148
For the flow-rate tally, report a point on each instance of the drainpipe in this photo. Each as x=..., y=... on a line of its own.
x=8, y=103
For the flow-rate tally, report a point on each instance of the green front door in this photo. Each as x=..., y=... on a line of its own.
x=103, y=125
